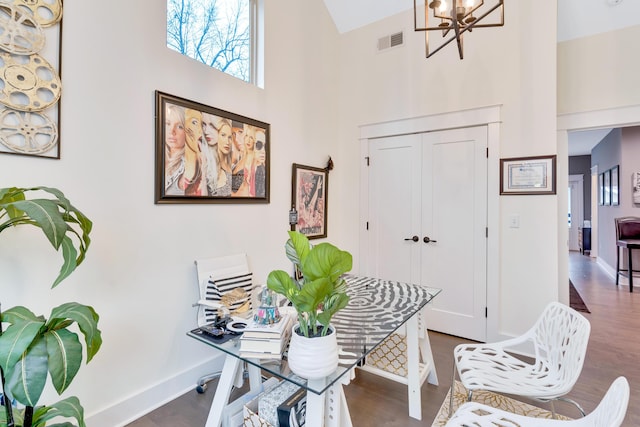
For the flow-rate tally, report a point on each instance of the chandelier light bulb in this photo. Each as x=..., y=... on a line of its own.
x=461, y=16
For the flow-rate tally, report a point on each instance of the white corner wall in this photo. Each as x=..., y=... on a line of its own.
x=139, y=272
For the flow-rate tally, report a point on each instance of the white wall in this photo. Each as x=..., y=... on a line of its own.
x=139, y=274
x=513, y=66
x=598, y=72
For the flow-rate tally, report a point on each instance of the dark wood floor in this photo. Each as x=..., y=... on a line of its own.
x=614, y=350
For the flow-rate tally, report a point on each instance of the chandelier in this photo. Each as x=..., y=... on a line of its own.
x=450, y=19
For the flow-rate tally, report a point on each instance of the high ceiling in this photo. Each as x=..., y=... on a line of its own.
x=576, y=19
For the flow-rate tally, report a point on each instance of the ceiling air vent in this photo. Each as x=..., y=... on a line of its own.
x=392, y=40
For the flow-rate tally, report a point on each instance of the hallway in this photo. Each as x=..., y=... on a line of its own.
x=613, y=346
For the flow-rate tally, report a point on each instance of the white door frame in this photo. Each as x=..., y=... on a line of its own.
x=594, y=212
x=485, y=116
x=577, y=212
x=608, y=118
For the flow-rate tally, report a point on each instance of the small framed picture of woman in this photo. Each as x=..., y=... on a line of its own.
x=309, y=198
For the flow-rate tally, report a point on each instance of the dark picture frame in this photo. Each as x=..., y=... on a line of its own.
x=194, y=166
x=528, y=175
x=606, y=199
x=309, y=197
x=601, y=189
x=615, y=186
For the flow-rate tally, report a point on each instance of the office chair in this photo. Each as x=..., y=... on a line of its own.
x=226, y=287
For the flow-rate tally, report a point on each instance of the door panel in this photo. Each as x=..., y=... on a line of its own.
x=454, y=213
x=394, y=205
x=433, y=185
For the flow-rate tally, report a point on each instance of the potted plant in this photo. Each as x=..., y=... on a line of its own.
x=317, y=295
x=32, y=347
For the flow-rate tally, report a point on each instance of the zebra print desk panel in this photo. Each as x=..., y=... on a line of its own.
x=376, y=309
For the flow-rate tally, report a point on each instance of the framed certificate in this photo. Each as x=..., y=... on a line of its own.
x=528, y=175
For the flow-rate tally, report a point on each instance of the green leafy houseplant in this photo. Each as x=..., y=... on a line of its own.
x=32, y=347
x=321, y=292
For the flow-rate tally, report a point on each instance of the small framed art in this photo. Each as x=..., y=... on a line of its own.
x=615, y=184
x=309, y=198
x=207, y=155
x=528, y=175
x=606, y=200
x=601, y=189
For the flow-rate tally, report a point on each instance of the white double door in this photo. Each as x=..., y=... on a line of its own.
x=427, y=222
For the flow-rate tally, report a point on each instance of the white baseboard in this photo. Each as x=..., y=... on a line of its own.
x=135, y=406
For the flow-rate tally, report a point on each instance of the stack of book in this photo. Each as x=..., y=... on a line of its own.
x=266, y=341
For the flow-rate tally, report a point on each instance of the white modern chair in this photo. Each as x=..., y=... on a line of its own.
x=610, y=412
x=559, y=337
x=217, y=277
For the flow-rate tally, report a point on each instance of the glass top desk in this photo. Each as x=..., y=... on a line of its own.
x=376, y=309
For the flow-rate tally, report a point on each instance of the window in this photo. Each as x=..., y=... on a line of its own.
x=218, y=33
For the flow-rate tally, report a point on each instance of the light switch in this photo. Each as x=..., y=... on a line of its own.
x=514, y=221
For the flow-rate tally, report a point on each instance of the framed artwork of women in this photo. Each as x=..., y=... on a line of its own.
x=207, y=155
x=309, y=191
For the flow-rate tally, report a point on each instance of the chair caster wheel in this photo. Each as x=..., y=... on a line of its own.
x=201, y=388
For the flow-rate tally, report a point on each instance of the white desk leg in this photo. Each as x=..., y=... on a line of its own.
x=223, y=391
x=255, y=378
x=337, y=411
x=427, y=358
x=315, y=404
x=425, y=348
x=413, y=368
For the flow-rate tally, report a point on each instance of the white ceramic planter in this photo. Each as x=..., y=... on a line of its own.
x=313, y=358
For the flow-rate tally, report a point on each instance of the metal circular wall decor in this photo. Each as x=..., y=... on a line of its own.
x=27, y=133
x=20, y=33
x=28, y=83
x=45, y=12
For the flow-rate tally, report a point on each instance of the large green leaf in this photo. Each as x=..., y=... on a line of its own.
x=29, y=375
x=65, y=357
x=46, y=215
x=326, y=260
x=69, y=260
x=300, y=244
x=7, y=196
x=280, y=282
x=67, y=408
x=64, y=226
x=313, y=294
x=15, y=341
x=87, y=320
x=17, y=314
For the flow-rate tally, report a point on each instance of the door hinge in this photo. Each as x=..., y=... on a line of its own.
x=367, y=225
x=486, y=312
x=487, y=152
x=367, y=159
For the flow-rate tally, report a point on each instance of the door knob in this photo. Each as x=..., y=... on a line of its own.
x=414, y=238
x=428, y=240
